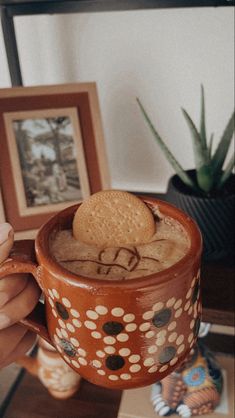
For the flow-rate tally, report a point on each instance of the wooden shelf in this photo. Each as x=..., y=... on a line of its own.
x=30, y=399
x=218, y=292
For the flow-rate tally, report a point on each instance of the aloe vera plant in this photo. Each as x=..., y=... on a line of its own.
x=211, y=175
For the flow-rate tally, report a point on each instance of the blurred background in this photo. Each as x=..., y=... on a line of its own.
x=161, y=56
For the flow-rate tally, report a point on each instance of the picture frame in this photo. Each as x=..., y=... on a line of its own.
x=52, y=151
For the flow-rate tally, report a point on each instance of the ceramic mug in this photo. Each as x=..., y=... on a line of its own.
x=116, y=334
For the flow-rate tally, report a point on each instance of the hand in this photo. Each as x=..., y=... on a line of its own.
x=19, y=294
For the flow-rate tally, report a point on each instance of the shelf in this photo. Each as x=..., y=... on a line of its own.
x=11, y=8
x=31, y=399
x=24, y=7
x=218, y=292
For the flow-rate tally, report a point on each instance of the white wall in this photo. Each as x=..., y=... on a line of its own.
x=161, y=56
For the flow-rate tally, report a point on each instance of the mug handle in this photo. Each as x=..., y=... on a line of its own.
x=22, y=259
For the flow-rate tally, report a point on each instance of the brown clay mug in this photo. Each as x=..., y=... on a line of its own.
x=117, y=334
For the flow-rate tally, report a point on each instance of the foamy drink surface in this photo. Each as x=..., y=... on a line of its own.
x=167, y=246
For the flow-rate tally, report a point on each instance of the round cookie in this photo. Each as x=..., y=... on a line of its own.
x=113, y=218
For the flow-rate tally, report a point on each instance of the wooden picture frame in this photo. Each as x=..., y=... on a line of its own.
x=52, y=151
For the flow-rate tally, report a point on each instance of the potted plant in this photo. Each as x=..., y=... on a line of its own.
x=207, y=192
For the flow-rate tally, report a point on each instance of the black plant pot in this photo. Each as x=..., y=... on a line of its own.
x=214, y=215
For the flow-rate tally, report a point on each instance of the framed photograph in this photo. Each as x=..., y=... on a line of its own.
x=52, y=151
x=2, y=216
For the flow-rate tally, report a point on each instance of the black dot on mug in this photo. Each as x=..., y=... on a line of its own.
x=196, y=327
x=112, y=327
x=68, y=348
x=62, y=311
x=167, y=354
x=161, y=318
x=114, y=362
x=195, y=292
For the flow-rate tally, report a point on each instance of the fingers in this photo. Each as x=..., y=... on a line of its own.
x=23, y=347
x=6, y=240
x=21, y=305
x=18, y=296
x=11, y=286
x=14, y=342
x=25, y=344
x=9, y=339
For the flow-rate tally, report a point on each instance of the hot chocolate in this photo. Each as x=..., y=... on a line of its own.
x=167, y=246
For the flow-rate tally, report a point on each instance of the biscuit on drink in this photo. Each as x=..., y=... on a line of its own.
x=112, y=218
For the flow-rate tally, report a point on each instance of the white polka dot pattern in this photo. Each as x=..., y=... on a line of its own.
x=75, y=364
x=122, y=337
x=74, y=341
x=163, y=368
x=100, y=353
x=66, y=302
x=117, y=312
x=131, y=327
x=113, y=377
x=128, y=318
x=101, y=310
x=92, y=314
x=74, y=313
x=124, y=352
x=90, y=325
x=97, y=335
x=135, y=368
x=76, y=323
x=145, y=326
x=109, y=349
x=125, y=376
x=170, y=302
x=109, y=340
x=153, y=369
x=64, y=333
x=112, y=330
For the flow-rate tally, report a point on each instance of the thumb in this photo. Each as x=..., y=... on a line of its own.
x=6, y=240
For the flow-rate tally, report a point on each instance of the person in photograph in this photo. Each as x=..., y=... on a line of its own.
x=60, y=177
x=19, y=294
x=49, y=185
x=47, y=160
